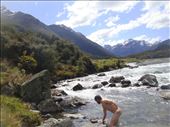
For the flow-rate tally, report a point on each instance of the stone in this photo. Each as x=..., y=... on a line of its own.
x=53, y=86
x=74, y=116
x=116, y=79
x=101, y=74
x=149, y=80
x=104, y=83
x=165, y=87
x=47, y=116
x=137, y=84
x=57, y=92
x=52, y=122
x=8, y=89
x=57, y=98
x=125, y=83
x=112, y=85
x=72, y=102
x=165, y=94
x=37, y=88
x=78, y=87
x=49, y=106
x=94, y=120
x=96, y=86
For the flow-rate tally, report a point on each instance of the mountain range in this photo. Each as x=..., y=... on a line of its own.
x=26, y=22
x=30, y=23
x=161, y=50
x=132, y=47
x=80, y=40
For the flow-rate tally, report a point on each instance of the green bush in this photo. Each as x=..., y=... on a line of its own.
x=28, y=63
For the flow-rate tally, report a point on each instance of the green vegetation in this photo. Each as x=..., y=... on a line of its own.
x=12, y=74
x=163, y=53
x=112, y=63
x=34, y=52
x=15, y=113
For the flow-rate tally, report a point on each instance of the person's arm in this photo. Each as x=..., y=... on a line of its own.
x=104, y=115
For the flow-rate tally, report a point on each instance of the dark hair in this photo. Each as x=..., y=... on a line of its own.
x=97, y=97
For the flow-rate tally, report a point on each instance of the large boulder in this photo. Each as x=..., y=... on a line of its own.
x=149, y=80
x=116, y=79
x=165, y=87
x=49, y=106
x=37, y=88
x=96, y=86
x=125, y=83
x=78, y=87
x=72, y=102
x=52, y=122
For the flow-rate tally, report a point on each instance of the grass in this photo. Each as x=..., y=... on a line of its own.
x=112, y=63
x=13, y=74
x=14, y=113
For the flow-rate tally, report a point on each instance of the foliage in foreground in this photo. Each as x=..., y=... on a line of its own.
x=15, y=113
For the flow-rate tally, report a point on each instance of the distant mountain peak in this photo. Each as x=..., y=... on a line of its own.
x=129, y=47
x=5, y=11
x=65, y=27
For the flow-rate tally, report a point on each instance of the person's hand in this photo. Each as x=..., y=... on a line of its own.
x=103, y=121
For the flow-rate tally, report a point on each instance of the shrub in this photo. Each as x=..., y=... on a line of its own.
x=28, y=63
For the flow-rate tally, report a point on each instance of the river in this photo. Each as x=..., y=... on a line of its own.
x=142, y=107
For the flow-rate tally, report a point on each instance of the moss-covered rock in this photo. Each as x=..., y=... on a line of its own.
x=37, y=88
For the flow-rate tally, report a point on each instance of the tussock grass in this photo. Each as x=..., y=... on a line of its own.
x=15, y=113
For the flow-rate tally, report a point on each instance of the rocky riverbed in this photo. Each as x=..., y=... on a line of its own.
x=141, y=91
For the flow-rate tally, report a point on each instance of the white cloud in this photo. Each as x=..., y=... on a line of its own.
x=157, y=19
x=83, y=13
x=148, y=39
x=60, y=14
x=110, y=21
x=157, y=14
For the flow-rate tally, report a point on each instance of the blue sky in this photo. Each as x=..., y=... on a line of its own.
x=108, y=22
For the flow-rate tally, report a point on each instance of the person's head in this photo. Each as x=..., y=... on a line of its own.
x=98, y=99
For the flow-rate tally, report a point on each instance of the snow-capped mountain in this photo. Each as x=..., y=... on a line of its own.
x=130, y=47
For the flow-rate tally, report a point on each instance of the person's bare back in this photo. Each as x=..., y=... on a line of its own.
x=109, y=105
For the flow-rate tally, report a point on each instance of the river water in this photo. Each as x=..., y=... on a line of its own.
x=142, y=107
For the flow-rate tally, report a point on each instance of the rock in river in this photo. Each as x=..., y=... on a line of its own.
x=104, y=83
x=101, y=74
x=112, y=85
x=96, y=86
x=52, y=122
x=57, y=92
x=37, y=88
x=165, y=87
x=165, y=94
x=78, y=87
x=125, y=83
x=72, y=102
x=74, y=116
x=116, y=79
x=149, y=80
